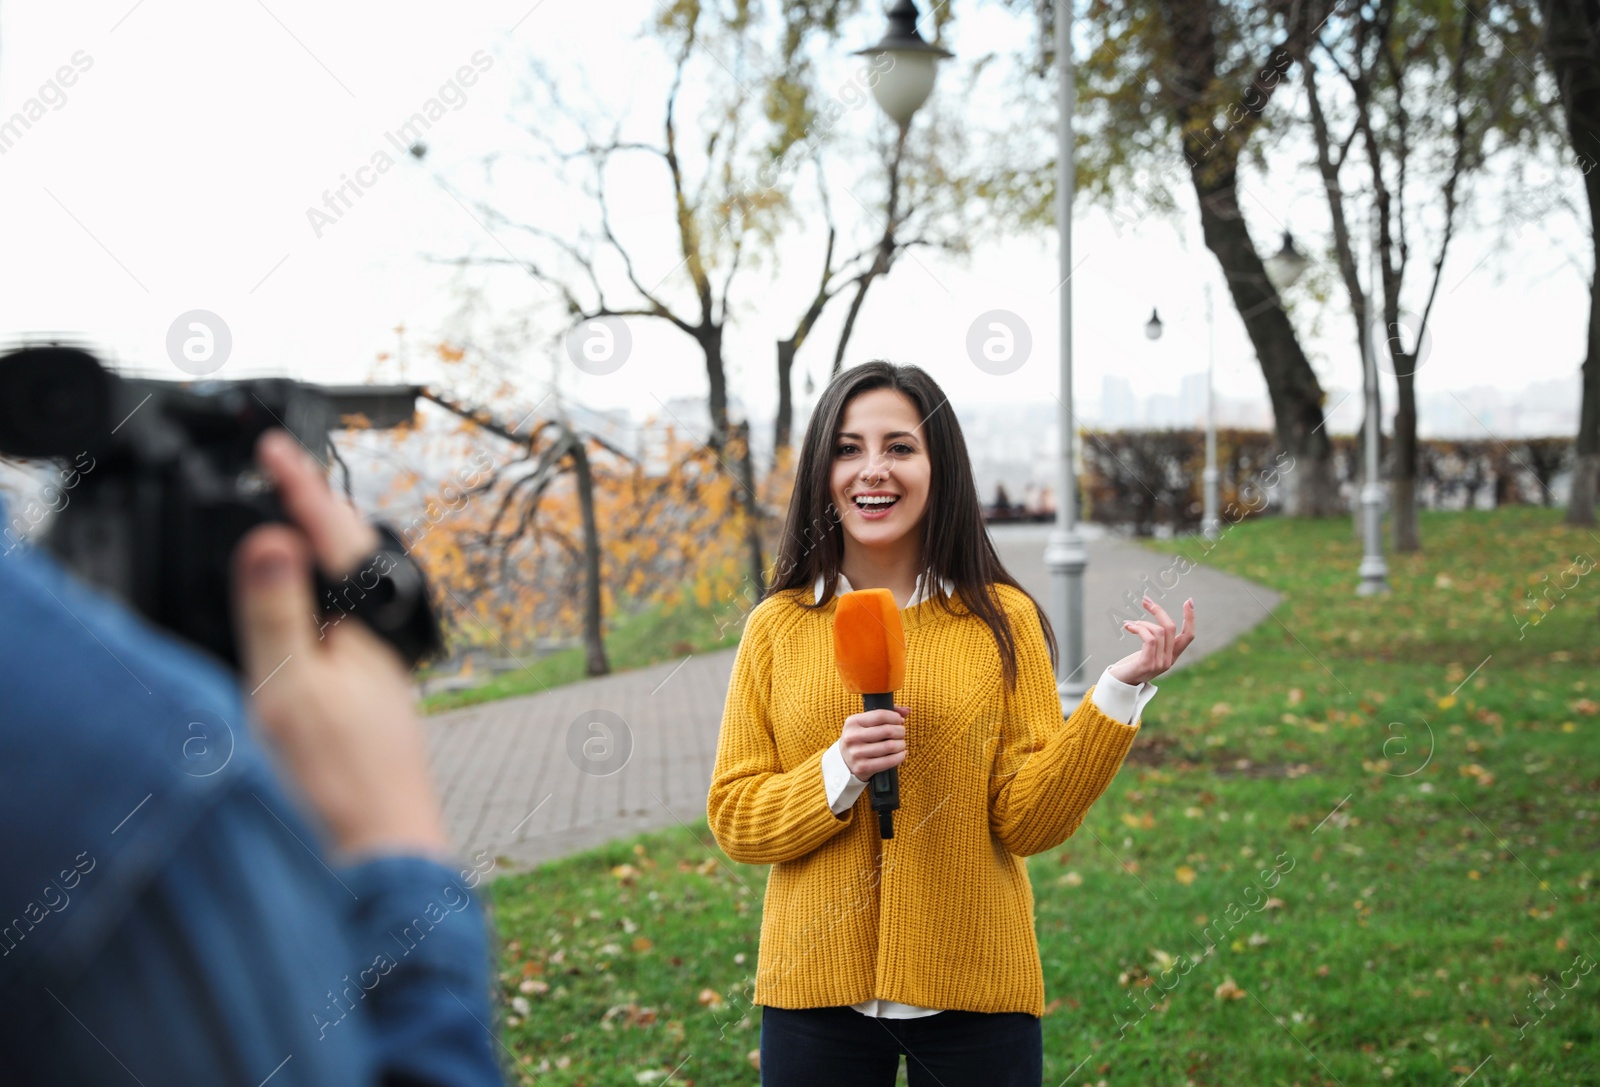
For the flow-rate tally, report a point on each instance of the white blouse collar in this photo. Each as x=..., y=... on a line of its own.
x=946, y=586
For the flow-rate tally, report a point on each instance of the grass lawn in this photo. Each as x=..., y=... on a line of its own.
x=1415, y=774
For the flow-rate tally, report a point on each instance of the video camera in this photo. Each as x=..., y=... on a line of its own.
x=173, y=487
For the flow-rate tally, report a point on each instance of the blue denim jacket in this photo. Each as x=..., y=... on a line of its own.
x=167, y=913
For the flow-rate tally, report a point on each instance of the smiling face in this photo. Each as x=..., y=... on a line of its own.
x=881, y=449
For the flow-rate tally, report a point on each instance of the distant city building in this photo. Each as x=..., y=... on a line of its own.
x=1119, y=408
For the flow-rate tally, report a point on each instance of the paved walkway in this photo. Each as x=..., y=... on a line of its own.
x=520, y=777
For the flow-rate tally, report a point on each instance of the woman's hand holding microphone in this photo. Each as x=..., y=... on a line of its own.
x=874, y=740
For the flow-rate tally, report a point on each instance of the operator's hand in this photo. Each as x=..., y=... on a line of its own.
x=339, y=705
x=874, y=740
x=1162, y=644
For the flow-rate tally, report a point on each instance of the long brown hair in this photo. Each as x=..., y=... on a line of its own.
x=955, y=544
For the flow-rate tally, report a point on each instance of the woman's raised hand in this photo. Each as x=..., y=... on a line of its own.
x=874, y=740
x=1163, y=644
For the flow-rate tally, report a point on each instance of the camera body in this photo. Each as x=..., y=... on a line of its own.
x=172, y=487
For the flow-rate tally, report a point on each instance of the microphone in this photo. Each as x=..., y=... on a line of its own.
x=869, y=648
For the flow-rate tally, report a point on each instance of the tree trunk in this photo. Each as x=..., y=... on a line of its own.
x=1572, y=48
x=594, y=646
x=1586, y=466
x=751, y=507
x=1295, y=392
x=710, y=337
x=1403, y=468
x=1311, y=488
x=785, y=422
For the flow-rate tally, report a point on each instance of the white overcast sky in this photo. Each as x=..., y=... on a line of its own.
x=178, y=174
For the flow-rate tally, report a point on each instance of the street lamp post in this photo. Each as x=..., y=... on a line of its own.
x=1064, y=552
x=1208, y=517
x=900, y=90
x=1283, y=268
x=1374, y=570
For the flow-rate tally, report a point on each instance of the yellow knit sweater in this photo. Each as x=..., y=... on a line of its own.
x=941, y=915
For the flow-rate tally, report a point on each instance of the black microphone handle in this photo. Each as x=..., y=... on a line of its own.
x=884, y=786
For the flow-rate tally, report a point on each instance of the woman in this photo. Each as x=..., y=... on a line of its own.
x=921, y=944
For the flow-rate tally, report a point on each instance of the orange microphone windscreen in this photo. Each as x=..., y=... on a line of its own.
x=869, y=644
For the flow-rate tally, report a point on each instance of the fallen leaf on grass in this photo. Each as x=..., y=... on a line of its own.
x=630, y=1015
x=1229, y=991
x=1184, y=874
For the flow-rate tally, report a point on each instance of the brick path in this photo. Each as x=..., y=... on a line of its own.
x=511, y=786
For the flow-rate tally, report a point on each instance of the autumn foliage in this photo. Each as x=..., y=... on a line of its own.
x=489, y=503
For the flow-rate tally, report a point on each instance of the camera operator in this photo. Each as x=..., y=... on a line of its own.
x=176, y=908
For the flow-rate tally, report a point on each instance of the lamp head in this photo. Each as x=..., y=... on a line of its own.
x=1286, y=265
x=902, y=87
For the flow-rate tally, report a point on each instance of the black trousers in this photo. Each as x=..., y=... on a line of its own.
x=840, y=1047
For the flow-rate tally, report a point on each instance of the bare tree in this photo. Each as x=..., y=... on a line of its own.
x=714, y=219
x=564, y=451
x=1387, y=56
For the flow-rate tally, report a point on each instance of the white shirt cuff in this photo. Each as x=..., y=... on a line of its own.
x=843, y=786
x=1122, y=701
